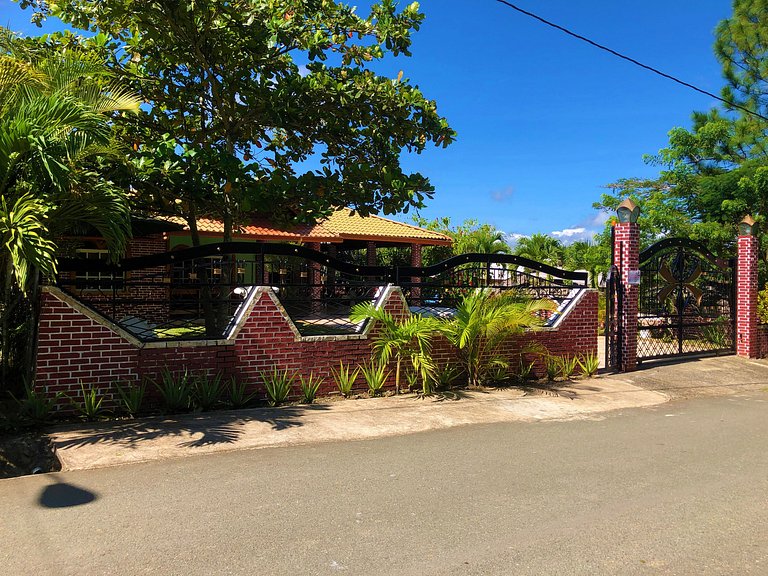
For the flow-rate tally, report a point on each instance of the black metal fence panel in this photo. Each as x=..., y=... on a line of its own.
x=195, y=293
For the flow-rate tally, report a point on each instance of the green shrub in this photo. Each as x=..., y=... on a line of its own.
x=446, y=375
x=278, y=384
x=91, y=407
x=238, y=395
x=762, y=305
x=525, y=369
x=717, y=333
x=175, y=390
x=309, y=387
x=375, y=376
x=601, y=314
x=553, y=367
x=132, y=398
x=412, y=378
x=345, y=378
x=589, y=364
x=35, y=407
x=497, y=373
x=568, y=366
x=207, y=391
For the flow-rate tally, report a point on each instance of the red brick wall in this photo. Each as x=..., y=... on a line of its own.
x=627, y=258
x=75, y=348
x=748, y=339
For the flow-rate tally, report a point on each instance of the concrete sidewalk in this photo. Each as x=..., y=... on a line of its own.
x=114, y=443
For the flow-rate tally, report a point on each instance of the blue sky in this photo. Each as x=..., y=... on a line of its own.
x=543, y=120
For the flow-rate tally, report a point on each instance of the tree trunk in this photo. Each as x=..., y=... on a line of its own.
x=33, y=323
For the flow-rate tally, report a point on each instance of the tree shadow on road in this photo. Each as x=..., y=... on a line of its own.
x=193, y=430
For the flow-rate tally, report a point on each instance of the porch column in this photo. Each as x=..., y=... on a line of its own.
x=747, y=341
x=370, y=253
x=626, y=257
x=315, y=280
x=415, y=280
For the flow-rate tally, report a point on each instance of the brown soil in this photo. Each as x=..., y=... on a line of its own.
x=26, y=453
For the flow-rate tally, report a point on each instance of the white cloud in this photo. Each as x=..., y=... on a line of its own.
x=598, y=219
x=511, y=238
x=303, y=70
x=502, y=195
x=569, y=232
x=575, y=234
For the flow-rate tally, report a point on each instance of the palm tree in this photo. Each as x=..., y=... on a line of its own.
x=55, y=138
x=541, y=248
x=588, y=256
x=484, y=320
x=483, y=240
x=406, y=338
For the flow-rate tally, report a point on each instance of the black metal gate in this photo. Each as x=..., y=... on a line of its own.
x=613, y=318
x=686, y=301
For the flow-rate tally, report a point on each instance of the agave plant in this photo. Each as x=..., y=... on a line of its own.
x=345, y=378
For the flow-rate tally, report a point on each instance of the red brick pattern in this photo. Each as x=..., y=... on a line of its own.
x=626, y=258
x=75, y=348
x=749, y=342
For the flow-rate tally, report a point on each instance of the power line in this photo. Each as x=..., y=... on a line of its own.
x=632, y=60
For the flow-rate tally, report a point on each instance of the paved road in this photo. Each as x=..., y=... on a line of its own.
x=681, y=488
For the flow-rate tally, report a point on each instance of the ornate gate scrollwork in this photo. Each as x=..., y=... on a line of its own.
x=686, y=301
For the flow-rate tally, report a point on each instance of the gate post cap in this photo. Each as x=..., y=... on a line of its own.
x=628, y=211
x=747, y=226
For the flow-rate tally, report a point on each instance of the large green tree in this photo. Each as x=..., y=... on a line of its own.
x=270, y=106
x=713, y=173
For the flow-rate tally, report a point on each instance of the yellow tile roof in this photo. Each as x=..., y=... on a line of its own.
x=341, y=225
x=353, y=226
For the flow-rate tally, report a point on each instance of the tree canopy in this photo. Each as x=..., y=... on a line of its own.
x=256, y=106
x=713, y=173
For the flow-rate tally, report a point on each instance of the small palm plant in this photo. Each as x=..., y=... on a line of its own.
x=408, y=338
x=484, y=320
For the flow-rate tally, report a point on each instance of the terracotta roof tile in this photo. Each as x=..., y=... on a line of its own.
x=343, y=224
x=264, y=229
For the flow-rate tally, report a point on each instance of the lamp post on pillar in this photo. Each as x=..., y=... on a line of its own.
x=746, y=290
x=626, y=257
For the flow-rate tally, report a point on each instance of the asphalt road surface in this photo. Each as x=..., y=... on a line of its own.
x=677, y=489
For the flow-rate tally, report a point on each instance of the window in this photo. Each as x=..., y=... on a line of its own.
x=92, y=254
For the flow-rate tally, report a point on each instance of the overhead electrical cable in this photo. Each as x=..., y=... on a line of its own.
x=632, y=60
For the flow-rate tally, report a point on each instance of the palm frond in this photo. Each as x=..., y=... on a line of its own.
x=23, y=235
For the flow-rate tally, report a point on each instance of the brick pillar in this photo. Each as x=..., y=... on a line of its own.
x=746, y=297
x=416, y=263
x=370, y=253
x=627, y=257
x=315, y=280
